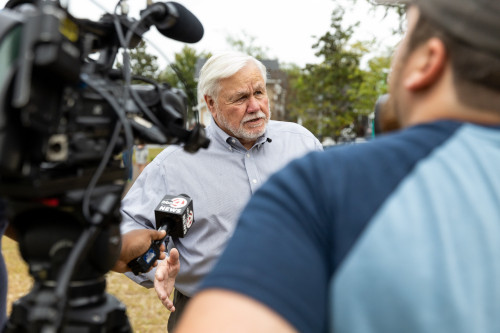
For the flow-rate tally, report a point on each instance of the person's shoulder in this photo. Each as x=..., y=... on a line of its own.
x=287, y=126
x=421, y=137
x=285, y=130
x=168, y=153
x=396, y=150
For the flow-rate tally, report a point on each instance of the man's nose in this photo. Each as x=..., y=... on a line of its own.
x=253, y=104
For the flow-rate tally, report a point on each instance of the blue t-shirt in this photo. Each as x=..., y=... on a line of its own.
x=401, y=234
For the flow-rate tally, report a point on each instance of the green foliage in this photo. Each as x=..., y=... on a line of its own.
x=181, y=73
x=336, y=93
x=142, y=63
x=374, y=81
x=328, y=91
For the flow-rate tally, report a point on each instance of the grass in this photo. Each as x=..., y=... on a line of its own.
x=152, y=152
x=145, y=312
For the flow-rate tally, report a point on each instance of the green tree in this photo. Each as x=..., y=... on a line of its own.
x=336, y=94
x=374, y=82
x=294, y=91
x=181, y=73
x=327, y=92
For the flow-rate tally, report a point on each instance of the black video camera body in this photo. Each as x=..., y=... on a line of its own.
x=62, y=112
x=66, y=114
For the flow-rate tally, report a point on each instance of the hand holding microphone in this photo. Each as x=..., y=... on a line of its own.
x=174, y=214
x=136, y=242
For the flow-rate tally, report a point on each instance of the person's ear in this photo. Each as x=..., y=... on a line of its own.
x=429, y=61
x=211, y=105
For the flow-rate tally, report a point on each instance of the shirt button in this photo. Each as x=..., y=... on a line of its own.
x=254, y=181
x=233, y=140
x=248, y=154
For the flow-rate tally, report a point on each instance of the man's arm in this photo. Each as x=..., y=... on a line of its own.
x=219, y=311
x=138, y=223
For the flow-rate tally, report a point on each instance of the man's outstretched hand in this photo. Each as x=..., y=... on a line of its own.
x=165, y=275
x=136, y=243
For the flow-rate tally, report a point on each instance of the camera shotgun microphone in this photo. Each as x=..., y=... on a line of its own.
x=175, y=215
x=175, y=21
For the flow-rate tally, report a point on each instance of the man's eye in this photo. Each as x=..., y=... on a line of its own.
x=240, y=99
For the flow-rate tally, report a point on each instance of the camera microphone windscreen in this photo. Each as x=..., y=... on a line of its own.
x=176, y=212
x=176, y=22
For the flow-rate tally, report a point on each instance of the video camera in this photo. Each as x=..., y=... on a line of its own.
x=66, y=115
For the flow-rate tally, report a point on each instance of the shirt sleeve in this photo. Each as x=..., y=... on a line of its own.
x=279, y=252
x=138, y=207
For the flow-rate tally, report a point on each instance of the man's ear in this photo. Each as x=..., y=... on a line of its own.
x=429, y=61
x=210, y=104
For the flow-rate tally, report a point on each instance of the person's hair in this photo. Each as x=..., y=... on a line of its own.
x=221, y=66
x=476, y=74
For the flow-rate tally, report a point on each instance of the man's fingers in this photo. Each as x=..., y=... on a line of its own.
x=158, y=234
x=160, y=271
x=162, y=295
x=173, y=256
x=169, y=305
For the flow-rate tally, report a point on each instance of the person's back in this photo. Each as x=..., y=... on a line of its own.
x=420, y=254
x=408, y=248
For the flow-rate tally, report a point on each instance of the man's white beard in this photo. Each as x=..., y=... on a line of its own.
x=241, y=132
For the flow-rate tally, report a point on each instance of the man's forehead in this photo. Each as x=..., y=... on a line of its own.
x=241, y=84
x=245, y=87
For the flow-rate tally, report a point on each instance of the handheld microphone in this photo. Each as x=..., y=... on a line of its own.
x=174, y=214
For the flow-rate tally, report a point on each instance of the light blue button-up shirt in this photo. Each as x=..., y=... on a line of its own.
x=220, y=180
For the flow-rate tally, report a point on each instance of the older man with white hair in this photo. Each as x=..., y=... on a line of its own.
x=246, y=148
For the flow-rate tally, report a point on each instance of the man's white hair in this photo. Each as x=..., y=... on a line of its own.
x=221, y=66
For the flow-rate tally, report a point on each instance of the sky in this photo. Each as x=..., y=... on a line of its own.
x=285, y=30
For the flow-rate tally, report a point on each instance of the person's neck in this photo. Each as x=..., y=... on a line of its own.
x=443, y=103
x=247, y=144
x=429, y=112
